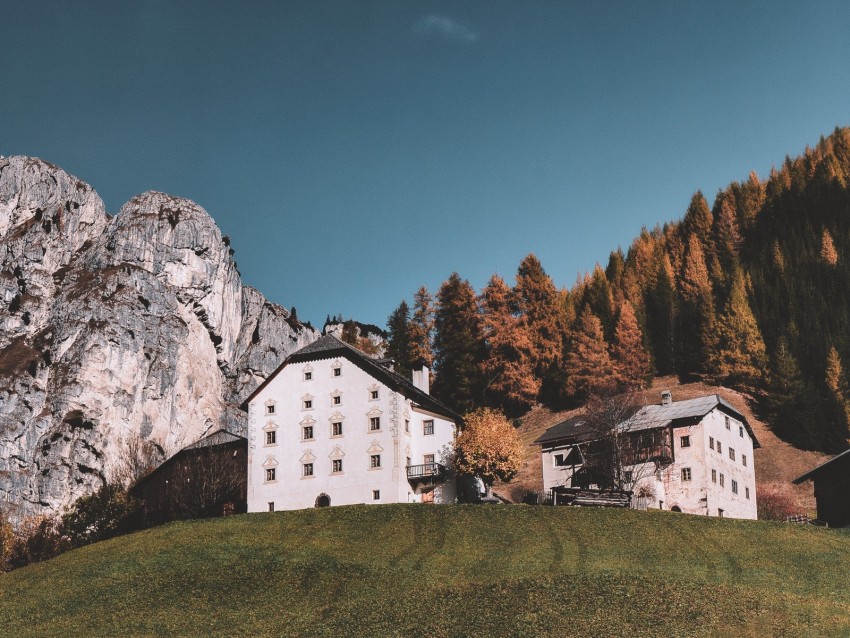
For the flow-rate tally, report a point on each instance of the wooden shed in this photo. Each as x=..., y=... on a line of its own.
x=832, y=489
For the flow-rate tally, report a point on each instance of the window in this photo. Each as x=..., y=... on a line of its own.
x=271, y=506
x=686, y=474
x=732, y=453
x=336, y=428
x=270, y=475
x=269, y=409
x=727, y=422
x=373, y=394
x=375, y=461
x=337, y=467
x=408, y=461
x=711, y=442
x=722, y=481
x=308, y=404
x=744, y=459
x=376, y=495
x=741, y=431
x=407, y=425
x=307, y=469
x=307, y=432
x=747, y=492
x=560, y=460
x=734, y=486
x=271, y=437
x=308, y=376
x=428, y=459
x=720, y=513
x=685, y=441
x=428, y=427
x=337, y=400
x=719, y=448
x=375, y=423
x=714, y=476
x=338, y=372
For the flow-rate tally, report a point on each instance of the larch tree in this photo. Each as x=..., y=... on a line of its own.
x=837, y=405
x=827, y=250
x=458, y=345
x=739, y=357
x=588, y=366
x=541, y=304
x=695, y=317
x=398, y=338
x=507, y=370
x=422, y=328
x=488, y=447
x=632, y=365
x=698, y=222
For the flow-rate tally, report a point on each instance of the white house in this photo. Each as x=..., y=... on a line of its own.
x=693, y=456
x=333, y=426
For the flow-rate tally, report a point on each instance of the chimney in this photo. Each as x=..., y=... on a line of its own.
x=421, y=379
x=666, y=397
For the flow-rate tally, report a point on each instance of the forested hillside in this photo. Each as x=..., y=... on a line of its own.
x=752, y=292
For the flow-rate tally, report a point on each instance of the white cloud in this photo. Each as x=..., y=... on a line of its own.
x=446, y=28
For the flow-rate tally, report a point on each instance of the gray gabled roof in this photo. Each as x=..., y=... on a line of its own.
x=650, y=417
x=329, y=346
x=219, y=437
x=813, y=472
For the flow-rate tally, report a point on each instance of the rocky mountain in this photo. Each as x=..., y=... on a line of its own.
x=114, y=328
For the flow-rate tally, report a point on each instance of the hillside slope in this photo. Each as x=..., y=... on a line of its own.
x=405, y=570
x=777, y=462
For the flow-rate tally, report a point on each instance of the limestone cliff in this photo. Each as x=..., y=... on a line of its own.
x=112, y=327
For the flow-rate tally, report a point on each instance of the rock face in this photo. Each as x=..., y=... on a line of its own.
x=111, y=328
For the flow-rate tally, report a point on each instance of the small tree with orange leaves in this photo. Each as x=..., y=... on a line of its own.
x=488, y=447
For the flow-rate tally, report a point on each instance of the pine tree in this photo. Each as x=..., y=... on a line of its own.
x=398, y=338
x=660, y=306
x=422, y=328
x=727, y=234
x=507, y=370
x=458, y=345
x=698, y=222
x=632, y=367
x=350, y=332
x=827, y=251
x=739, y=357
x=598, y=296
x=837, y=404
x=542, y=307
x=588, y=364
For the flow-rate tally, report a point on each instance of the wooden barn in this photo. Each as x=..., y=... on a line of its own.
x=207, y=478
x=832, y=489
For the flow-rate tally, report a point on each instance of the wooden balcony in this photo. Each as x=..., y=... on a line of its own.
x=427, y=473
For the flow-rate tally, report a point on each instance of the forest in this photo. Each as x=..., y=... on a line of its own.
x=751, y=292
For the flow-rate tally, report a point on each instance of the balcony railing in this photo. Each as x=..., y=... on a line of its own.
x=426, y=471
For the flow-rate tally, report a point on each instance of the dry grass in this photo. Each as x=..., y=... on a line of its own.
x=777, y=462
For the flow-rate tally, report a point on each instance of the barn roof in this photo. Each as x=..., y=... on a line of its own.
x=844, y=456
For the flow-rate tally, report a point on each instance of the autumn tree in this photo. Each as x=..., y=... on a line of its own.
x=507, y=371
x=588, y=365
x=698, y=222
x=458, y=345
x=739, y=356
x=632, y=366
x=488, y=447
x=422, y=328
x=540, y=303
x=398, y=338
x=827, y=251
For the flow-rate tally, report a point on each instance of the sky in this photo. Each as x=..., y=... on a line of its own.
x=355, y=151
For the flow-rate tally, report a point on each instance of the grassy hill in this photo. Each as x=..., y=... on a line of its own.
x=777, y=462
x=408, y=570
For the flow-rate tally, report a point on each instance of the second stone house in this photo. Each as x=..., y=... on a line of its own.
x=693, y=456
x=333, y=426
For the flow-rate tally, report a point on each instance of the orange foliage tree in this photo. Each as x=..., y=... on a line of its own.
x=488, y=447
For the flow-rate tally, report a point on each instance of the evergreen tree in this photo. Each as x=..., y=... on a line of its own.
x=698, y=222
x=661, y=319
x=727, y=235
x=837, y=404
x=696, y=313
x=598, y=296
x=422, y=328
x=507, y=369
x=739, y=357
x=350, y=332
x=632, y=367
x=458, y=345
x=588, y=364
x=398, y=338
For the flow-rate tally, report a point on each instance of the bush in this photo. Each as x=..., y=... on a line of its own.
x=109, y=512
x=38, y=538
x=775, y=503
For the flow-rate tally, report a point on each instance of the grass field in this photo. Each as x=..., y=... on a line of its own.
x=416, y=571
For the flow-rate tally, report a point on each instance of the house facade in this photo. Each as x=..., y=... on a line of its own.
x=333, y=426
x=832, y=489
x=693, y=456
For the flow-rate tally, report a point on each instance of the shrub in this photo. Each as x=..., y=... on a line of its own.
x=775, y=503
x=109, y=512
x=38, y=538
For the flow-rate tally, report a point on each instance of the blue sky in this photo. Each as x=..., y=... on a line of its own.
x=357, y=150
